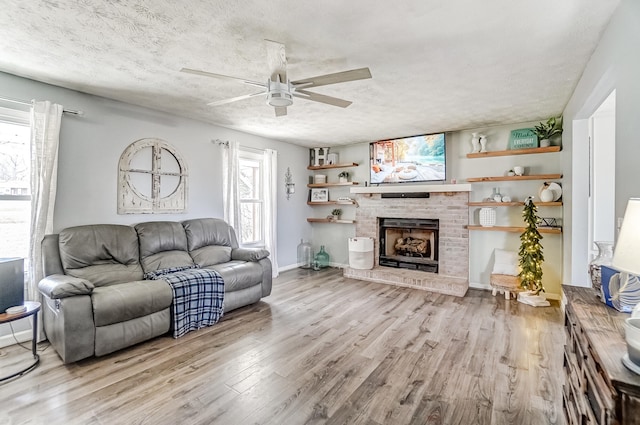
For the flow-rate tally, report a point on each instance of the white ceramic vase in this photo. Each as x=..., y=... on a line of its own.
x=475, y=142
x=546, y=195
x=483, y=143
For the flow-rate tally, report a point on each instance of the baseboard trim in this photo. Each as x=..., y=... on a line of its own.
x=289, y=267
x=22, y=336
x=296, y=265
x=477, y=285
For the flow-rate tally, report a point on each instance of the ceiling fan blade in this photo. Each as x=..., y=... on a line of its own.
x=338, y=77
x=303, y=94
x=222, y=77
x=277, y=60
x=281, y=111
x=234, y=99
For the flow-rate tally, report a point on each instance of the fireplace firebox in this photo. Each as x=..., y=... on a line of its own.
x=409, y=243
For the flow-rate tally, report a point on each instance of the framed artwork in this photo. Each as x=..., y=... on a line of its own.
x=320, y=195
x=152, y=179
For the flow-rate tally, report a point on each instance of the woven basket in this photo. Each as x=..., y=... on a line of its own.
x=505, y=282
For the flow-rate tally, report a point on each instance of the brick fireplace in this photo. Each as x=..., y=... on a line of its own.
x=448, y=209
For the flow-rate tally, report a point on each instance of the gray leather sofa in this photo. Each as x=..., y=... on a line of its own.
x=96, y=300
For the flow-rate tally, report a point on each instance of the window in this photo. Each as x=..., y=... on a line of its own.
x=251, y=195
x=15, y=187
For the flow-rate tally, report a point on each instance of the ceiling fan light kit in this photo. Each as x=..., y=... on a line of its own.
x=279, y=91
x=279, y=94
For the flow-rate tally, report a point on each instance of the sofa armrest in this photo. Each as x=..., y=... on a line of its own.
x=249, y=254
x=62, y=286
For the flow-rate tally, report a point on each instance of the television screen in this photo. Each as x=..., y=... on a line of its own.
x=408, y=159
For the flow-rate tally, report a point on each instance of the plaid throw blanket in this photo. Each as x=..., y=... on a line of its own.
x=198, y=296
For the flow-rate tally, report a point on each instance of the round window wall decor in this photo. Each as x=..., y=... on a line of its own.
x=152, y=178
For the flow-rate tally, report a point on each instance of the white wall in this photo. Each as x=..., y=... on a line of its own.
x=333, y=236
x=483, y=243
x=91, y=145
x=615, y=64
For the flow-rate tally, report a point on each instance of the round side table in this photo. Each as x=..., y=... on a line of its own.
x=32, y=310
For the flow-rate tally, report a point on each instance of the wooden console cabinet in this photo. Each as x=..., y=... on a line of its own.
x=598, y=388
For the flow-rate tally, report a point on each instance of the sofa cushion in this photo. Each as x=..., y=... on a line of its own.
x=101, y=253
x=238, y=274
x=127, y=301
x=163, y=245
x=209, y=231
x=211, y=255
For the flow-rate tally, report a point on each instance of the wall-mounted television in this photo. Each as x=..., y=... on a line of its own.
x=408, y=159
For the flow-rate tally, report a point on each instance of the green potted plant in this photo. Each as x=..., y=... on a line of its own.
x=546, y=130
x=336, y=213
x=343, y=176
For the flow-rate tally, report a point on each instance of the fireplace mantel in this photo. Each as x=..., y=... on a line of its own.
x=402, y=188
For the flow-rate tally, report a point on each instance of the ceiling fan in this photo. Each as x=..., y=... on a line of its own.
x=279, y=90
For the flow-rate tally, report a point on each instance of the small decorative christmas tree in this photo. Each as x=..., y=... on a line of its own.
x=530, y=253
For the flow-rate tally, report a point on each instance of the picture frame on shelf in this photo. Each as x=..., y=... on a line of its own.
x=319, y=195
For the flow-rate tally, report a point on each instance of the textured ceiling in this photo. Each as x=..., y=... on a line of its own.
x=437, y=65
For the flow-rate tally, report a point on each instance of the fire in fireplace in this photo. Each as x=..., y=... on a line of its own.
x=410, y=243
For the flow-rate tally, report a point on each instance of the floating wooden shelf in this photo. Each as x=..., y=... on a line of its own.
x=326, y=220
x=513, y=204
x=331, y=184
x=330, y=203
x=515, y=229
x=327, y=167
x=514, y=152
x=322, y=203
x=515, y=178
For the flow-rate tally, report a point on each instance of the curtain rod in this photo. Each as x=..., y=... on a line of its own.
x=24, y=102
x=225, y=143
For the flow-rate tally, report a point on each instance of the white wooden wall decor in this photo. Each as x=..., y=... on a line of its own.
x=152, y=178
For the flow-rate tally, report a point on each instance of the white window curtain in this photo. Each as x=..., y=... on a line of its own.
x=271, y=206
x=230, y=201
x=45, y=137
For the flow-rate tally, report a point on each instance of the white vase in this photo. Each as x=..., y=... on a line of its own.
x=483, y=143
x=475, y=142
x=545, y=143
x=546, y=195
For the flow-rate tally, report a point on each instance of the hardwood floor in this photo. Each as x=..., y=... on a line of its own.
x=321, y=349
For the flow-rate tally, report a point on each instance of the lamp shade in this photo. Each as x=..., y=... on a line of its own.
x=626, y=256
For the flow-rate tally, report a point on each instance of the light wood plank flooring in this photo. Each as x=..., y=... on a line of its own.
x=321, y=349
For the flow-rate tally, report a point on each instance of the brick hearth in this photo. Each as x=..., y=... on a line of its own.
x=453, y=212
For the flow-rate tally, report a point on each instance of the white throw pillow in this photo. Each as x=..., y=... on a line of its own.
x=506, y=262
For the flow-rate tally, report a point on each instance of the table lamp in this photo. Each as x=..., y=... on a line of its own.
x=626, y=258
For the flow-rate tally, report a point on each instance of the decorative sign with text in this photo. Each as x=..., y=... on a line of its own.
x=523, y=138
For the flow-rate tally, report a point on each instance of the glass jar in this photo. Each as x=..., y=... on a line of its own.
x=305, y=255
x=322, y=258
x=603, y=258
